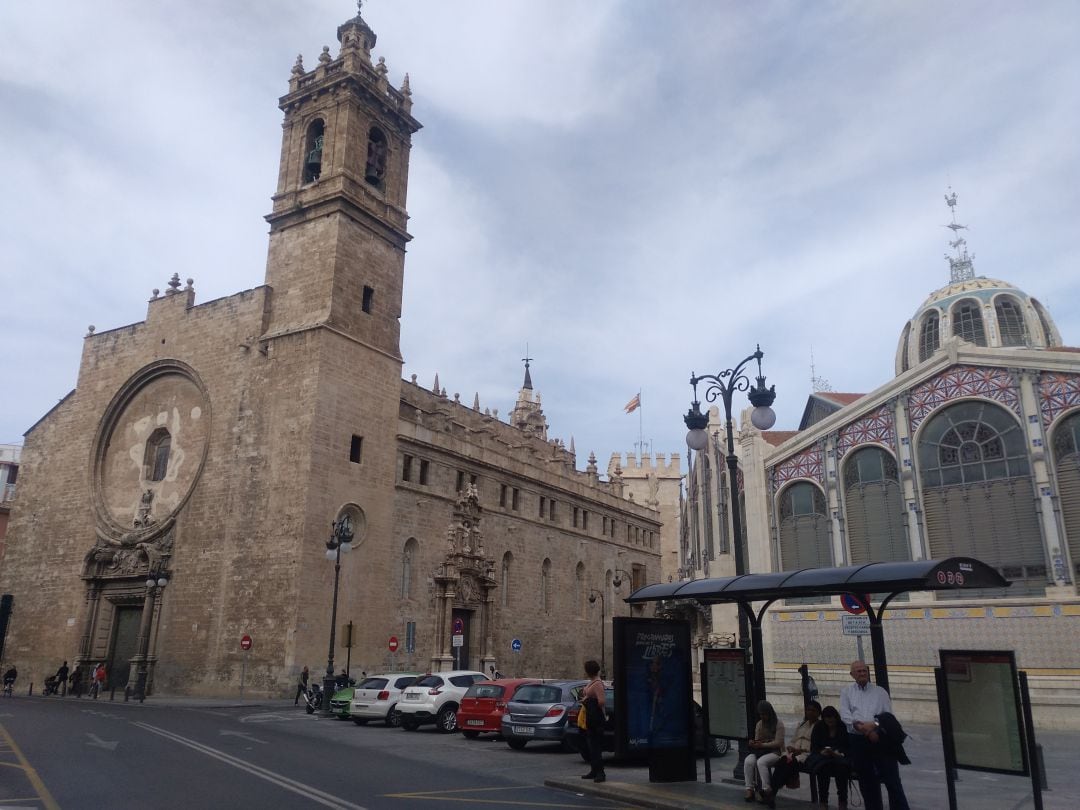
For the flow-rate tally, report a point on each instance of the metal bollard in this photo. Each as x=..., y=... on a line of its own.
x=31, y=692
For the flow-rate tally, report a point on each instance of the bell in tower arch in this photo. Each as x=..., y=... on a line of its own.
x=313, y=152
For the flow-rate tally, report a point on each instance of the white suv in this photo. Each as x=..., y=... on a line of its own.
x=435, y=698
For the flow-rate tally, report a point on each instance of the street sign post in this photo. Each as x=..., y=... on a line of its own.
x=245, y=645
x=393, y=644
x=515, y=645
x=856, y=625
x=459, y=640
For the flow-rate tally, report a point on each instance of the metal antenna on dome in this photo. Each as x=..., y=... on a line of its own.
x=961, y=266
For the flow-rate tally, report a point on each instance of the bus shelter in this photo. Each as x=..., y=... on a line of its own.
x=883, y=581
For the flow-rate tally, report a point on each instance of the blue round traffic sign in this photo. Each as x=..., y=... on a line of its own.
x=515, y=645
x=852, y=604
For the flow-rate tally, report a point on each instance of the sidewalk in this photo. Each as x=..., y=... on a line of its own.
x=624, y=785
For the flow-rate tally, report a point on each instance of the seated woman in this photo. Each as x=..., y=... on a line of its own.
x=829, y=745
x=797, y=753
x=765, y=751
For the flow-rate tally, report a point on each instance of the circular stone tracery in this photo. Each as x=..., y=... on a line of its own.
x=128, y=490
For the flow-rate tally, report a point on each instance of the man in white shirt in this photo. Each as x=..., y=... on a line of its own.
x=874, y=763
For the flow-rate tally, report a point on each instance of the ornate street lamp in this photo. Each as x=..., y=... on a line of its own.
x=593, y=596
x=723, y=386
x=154, y=585
x=340, y=540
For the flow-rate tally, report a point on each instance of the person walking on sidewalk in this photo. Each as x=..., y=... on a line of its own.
x=592, y=704
x=301, y=686
x=97, y=681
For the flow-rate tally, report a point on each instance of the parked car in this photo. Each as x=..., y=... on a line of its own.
x=376, y=697
x=719, y=745
x=435, y=698
x=483, y=706
x=340, y=702
x=537, y=713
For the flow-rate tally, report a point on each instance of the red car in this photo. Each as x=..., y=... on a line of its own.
x=484, y=705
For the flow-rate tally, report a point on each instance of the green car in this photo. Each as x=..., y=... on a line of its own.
x=341, y=703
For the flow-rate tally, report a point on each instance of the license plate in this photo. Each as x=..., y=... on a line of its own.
x=412, y=697
x=474, y=722
x=526, y=730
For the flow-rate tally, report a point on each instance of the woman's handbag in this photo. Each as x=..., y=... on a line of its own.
x=582, y=718
x=793, y=782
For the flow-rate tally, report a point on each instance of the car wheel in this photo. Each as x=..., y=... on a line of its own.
x=471, y=735
x=393, y=717
x=359, y=722
x=720, y=746
x=446, y=720
x=409, y=725
x=517, y=745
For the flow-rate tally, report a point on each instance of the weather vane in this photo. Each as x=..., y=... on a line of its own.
x=961, y=266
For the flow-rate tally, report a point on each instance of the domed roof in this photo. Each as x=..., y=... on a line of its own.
x=983, y=311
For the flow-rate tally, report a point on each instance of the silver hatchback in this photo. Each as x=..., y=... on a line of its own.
x=538, y=712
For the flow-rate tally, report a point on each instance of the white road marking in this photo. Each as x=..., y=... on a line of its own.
x=273, y=718
x=242, y=735
x=97, y=742
x=307, y=791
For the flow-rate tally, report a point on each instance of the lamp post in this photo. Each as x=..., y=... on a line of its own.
x=340, y=540
x=723, y=386
x=154, y=584
x=593, y=596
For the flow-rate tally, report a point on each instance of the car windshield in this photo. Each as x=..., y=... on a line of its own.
x=484, y=690
x=536, y=693
x=465, y=680
x=429, y=681
x=373, y=683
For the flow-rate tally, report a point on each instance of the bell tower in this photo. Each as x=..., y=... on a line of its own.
x=338, y=226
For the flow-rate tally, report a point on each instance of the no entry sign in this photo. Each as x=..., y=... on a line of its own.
x=393, y=645
x=245, y=642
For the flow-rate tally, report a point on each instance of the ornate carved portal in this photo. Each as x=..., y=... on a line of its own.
x=464, y=581
x=116, y=572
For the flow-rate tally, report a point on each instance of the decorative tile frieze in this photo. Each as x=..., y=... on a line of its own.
x=958, y=382
x=876, y=426
x=1057, y=393
x=806, y=464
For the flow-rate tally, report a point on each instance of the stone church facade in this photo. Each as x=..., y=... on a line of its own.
x=973, y=449
x=181, y=496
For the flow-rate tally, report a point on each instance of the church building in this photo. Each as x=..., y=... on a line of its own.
x=185, y=494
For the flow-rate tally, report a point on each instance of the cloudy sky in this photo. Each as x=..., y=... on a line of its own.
x=636, y=189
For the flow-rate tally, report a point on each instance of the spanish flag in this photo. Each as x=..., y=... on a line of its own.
x=633, y=404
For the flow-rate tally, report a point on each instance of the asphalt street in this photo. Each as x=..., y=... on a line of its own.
x=73, y=753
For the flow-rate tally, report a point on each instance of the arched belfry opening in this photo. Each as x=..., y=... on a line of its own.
x=313, y=150
x=375, y=168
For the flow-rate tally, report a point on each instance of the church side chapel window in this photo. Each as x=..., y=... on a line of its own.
x=579, y=588
x=968, y=322
x=978, y=494
x=375, y=167
x=408, y=557
x=874, y=507
x=313, y=151
x=1010, y=322
x=1066, y=445
x=804, y=531
x=545, y=586
x=504, y=583
x=156, y=456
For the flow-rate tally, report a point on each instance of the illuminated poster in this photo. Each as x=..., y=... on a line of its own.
x=653, y=682
x=726, y=687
